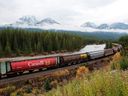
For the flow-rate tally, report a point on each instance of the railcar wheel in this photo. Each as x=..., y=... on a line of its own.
x=74, y=63
x=40, y=69
x=52, y=67
x=79, y=62
x=30, y=71
x=20, y=73
x=70, y=63
x=0, y=76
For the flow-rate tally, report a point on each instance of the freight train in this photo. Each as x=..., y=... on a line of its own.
x=19, y=65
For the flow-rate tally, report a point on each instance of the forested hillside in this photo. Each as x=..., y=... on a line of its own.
x=17, y=41
x=102, y=35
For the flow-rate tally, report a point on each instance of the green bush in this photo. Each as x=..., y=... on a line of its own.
x=124, y=63
x=47, y=85
x=121, y=64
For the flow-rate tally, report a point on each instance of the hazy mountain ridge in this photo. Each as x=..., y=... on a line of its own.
x=51, y=24
x=116, y=25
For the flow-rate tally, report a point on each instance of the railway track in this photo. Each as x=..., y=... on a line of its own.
x=91, y=64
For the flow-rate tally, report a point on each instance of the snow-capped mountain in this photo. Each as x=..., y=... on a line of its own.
x=25, y=21
x=103, y=26
x=118, y=25
x=31, y=21
x=89, y=24
x=47, y=21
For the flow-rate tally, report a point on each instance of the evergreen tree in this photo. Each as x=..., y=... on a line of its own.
x=7, y=49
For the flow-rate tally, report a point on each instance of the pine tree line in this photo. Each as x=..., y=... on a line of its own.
x=21, y=42
x=17, y=41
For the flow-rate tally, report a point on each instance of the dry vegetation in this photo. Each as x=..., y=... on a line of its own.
x=78, y=82
x=98, y=83
x=81, y=71
x=36, y=86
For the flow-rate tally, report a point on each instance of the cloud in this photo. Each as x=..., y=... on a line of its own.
x=65, y=11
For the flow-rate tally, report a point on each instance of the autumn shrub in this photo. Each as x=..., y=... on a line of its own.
x=117, y=57
x=81, y=71
x=115, y=63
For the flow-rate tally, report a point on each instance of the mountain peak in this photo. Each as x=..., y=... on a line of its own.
x=48, y=18
x=89, y=24
x=103, y=26
x=119, y=25
x=48, y=21
x=28, y=20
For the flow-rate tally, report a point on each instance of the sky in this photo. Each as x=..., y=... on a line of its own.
x=74, y=12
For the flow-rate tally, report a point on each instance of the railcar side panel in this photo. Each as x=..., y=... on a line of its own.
x=71, y=57
x=75, y=57
x=116, y=49
x=108, y=52
x=33, y=64
x=96, y=54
